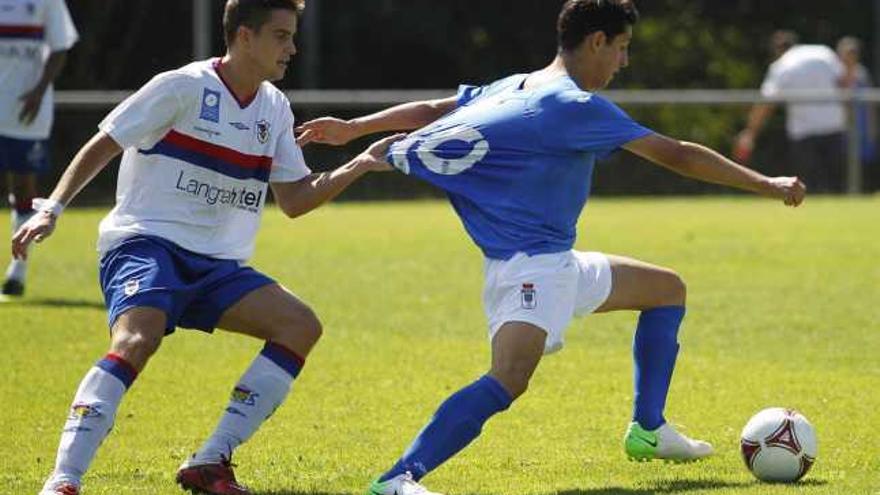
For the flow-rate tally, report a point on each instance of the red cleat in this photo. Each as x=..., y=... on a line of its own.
x=62, y=489
x=210, y=479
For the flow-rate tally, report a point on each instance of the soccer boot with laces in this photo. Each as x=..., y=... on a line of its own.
x=61, y=489
x=402, y=484
x=210, y=479
x=663, y=443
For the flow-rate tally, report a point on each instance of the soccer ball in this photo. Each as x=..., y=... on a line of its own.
x=778, y=444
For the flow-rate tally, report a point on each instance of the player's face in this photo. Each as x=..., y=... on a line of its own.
x=614, y=56
x=272, y=47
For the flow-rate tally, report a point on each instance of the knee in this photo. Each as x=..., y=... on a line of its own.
x=301, y=325
x=674, y=290
x=135, y=347
x=514, y=376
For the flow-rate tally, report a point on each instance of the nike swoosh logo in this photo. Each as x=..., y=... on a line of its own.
x=652, y=443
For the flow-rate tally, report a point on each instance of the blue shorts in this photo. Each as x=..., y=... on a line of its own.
x=192, y=289
x=23, y=156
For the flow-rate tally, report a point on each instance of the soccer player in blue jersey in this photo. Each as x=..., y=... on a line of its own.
x=203, y=143
x=515, y=158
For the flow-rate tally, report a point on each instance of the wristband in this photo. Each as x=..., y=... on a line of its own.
x=49, y=206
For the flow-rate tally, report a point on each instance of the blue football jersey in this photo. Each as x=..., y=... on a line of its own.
x=517, y=163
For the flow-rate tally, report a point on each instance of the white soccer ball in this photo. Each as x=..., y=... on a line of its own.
x=778, y=444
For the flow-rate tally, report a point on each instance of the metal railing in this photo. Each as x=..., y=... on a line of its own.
x=371, y=99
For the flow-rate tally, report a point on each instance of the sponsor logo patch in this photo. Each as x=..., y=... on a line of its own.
x=240, y=126
x=528, y=297
x=85, y=411
x=243, y=395
x=241, y=198
x=210, y=133
x=210, y=105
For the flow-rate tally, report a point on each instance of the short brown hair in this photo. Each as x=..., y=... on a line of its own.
x=581, y=18
x=253, y=14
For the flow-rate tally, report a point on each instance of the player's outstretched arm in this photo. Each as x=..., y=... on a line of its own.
x=90, y=160
x=300, y=197
x=699, y=162
x=404, y=117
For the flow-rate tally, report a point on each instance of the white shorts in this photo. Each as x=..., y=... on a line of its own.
x=546, y=290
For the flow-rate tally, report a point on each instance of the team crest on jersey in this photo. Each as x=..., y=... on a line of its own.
x=31, y=8
x=264, y=131
x=528, y=297
x=210, y=106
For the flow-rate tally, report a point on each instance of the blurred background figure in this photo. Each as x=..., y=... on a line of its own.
x=816, y=131
x=35, y=36
x=855, y=77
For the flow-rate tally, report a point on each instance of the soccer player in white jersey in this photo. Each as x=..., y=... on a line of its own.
x=515, y=158
x=201, y=145
x=35, y=36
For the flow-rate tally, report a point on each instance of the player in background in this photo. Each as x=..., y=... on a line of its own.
x=516, y=158
x=201, y=145
x=35, y=36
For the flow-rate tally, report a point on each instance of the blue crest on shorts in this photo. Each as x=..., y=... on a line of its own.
x=210, y=106
x=529, y=298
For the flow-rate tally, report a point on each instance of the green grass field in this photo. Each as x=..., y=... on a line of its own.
x=784, y=309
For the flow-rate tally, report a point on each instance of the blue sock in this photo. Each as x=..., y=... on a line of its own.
x=655, y=347
x=456, y=423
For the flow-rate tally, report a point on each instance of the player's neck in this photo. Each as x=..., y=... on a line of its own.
x=577, y=69
x=242, y=80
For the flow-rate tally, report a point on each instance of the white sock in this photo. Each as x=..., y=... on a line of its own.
x=90, y=419
x=260, y=391
x=17, y=269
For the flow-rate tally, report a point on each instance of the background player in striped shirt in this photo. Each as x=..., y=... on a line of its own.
x=35, y=36
x=202, y=143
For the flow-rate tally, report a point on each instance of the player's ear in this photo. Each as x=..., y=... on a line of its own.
x=596, y=40
x=243, y=35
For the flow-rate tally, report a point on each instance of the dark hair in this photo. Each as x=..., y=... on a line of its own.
x=581, y=18
x=253, y=14
x=782, y=40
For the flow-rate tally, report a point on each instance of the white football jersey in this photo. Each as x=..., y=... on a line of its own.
x=29, y=31
x=806, y=67
x=197, y=161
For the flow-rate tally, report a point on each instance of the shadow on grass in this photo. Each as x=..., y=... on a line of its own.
x=58, y=303
x=679, y=486
x=298, y=492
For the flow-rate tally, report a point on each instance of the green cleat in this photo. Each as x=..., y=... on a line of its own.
x=663, y=443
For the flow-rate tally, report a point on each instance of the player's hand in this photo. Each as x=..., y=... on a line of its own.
x=375, y=156
x=326, y=130
x=790, y=189
x=37, y=228
x=30, y=105
x=743, y=146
